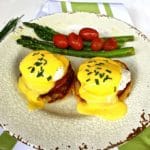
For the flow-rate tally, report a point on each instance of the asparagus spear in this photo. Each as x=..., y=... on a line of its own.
x=120, y=40
x=42, y=32
x=124, y=38
x=47, y=33
x=9, y=27
x=87, y=46
x=35, y=44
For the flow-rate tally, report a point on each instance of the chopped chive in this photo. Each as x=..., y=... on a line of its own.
x=88, y=66
x=109, y=71
x=42, y=55
x=115, y=88
x=30, y=67
x=106, y=78
x=38, y=63
x=96, y=73
x=99, y=68
x=45, y=61
x=40, y=73
x=101, y=75
x=89, y=73
x=35, y=53
x=49, y=78
x=32, y=70
x=40, y=59
x=91, y=61
x=97, y=81
x=99, y=64
x=41, y=68
x=88, y=79
x=87, y=70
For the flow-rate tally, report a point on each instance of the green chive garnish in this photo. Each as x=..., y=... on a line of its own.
x=101, y=75
x=99, y=64
x=42, y=55
x=89, y=73
x=35, y=53
x=40, y=59
x=115, y=88
x=32, y=70
x=91, y=61
x=40, y=73
x=49, y=78
x=88, y=66
x=106, y=78
x=96, y=73
x=97, y=81
x=98, y=68
x=88, y=80
x=87, y=70
x=37, y=63
x=30, y=67
x=109, y=71
x=45, y=61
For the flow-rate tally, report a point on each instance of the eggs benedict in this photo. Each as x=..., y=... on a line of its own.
x=101, y=88
x=45, y=77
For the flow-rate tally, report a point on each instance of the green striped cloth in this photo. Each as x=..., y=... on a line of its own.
x=112, y=9
x=142, y=141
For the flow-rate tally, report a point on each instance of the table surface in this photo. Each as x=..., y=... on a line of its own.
x=138, y=10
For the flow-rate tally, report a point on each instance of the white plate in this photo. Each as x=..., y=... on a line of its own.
x=59, y=125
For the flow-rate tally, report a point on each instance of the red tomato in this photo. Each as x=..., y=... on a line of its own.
x=75, y=41
x=97, y=44
x=88, y=34
x=60, y=41
x=110, y=44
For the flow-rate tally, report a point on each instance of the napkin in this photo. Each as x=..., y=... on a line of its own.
x=117, y=10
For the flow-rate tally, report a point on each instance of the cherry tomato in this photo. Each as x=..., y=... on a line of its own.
x=75, y=41
x=110, y=44
x=60, y=41
x=97, y=44
x=88, y=34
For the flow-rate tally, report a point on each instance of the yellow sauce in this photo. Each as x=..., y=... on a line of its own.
x=99, y=79
x=38, y=72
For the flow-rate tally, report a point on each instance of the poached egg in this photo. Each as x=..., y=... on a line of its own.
x=39, y=72
x=100, y=80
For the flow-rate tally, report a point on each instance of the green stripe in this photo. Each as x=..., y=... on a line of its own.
x=85, y=7
x=63, y=6
x=108, y=9
x=6, y=141
x=140, y=142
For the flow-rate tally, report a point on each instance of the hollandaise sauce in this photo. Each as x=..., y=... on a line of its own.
x=100, y=79
x=39, y=72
